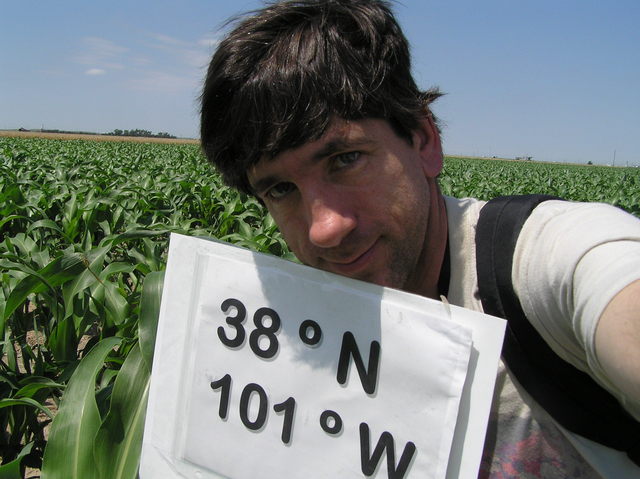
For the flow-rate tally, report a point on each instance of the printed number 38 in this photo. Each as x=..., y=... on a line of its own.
x=236, y=322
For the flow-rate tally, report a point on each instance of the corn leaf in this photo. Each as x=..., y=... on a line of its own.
x=63, y=341
x=69, y=451
x=119, y=439
x=57, y=272
x=86, y=278
x=25, y=402
x=149, y=312
x=10, y=218
x=32, y=384
x=12, y=470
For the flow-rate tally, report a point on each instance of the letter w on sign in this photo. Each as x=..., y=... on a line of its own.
x=370, y=461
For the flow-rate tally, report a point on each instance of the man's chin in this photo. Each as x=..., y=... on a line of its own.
x=378, y=279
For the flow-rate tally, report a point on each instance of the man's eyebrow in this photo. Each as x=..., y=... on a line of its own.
x=331, y=147
x=263, y=183
x=338, y=145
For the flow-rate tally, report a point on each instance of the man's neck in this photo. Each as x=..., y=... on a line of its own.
x=425, y=282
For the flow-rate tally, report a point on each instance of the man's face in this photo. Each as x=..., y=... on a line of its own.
x=356, y=202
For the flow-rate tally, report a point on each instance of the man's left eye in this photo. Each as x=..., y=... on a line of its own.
x=345, y=159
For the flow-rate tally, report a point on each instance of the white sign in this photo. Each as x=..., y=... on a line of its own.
x=266, y=368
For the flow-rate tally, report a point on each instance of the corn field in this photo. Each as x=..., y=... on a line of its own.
x=84, y=230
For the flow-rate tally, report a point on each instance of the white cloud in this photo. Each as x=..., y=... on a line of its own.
x=195, y=58
x=155, y=63
x=194, y=54
x=101, y=55
x=141, y=61
x=168, y=40
x=103, y=47
x=209, y=41
x=163, y=82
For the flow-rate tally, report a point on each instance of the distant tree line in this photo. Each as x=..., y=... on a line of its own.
x=138, y=132
x=116, y=132
x=70, y=132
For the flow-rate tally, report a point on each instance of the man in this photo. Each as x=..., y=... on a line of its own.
x=311, y=107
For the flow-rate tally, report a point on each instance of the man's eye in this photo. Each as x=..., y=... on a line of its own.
x=280, y=190
x=345, y=159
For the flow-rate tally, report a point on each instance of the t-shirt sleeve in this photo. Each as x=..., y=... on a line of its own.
x=570, y=260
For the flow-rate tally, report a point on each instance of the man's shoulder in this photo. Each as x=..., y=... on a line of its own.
x=581, y=221
x=462, y=203
x=462, y=211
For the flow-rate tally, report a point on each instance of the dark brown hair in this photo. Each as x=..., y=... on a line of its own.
x=280, y=76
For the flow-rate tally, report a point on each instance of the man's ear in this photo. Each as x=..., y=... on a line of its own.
x=426, y=137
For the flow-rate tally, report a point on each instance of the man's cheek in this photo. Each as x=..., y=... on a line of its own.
x=293, y=232
x=294, y=244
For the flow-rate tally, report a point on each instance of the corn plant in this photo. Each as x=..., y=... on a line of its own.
x=84, y=227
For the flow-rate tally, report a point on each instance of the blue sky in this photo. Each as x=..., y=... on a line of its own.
x=556, y=80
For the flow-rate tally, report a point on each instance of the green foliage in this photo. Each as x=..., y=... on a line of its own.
x=84, y=228
x=69, y=454
x=84, y=225
x=85, y=443
x=485, y=179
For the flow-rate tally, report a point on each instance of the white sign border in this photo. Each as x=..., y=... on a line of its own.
x=161, y=454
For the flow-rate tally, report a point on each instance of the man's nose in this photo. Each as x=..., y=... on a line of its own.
x=330, y=222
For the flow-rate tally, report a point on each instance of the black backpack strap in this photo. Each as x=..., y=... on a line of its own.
x=569, y=395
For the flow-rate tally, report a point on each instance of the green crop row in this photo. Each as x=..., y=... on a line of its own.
x=84, y=225
x=84, y=230
x=487, y=179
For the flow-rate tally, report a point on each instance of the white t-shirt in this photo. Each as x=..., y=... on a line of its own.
x=570, y=260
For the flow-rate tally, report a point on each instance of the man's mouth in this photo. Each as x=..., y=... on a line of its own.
x=352, y=266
